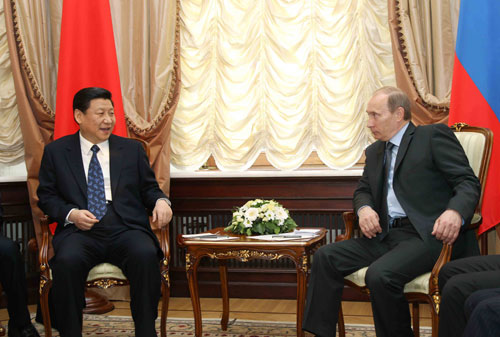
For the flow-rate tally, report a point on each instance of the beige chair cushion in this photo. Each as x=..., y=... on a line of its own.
x=358, y=277
x=418, y=285
x=105, y=270
x=475, y=218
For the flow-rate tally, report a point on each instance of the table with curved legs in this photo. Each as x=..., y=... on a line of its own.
x=244, y=249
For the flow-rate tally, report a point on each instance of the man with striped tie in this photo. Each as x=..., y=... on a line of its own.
x=99, y=188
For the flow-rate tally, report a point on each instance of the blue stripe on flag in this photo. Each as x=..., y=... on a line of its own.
x=478, y=47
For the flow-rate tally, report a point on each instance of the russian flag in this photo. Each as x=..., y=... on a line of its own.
x=475, y=93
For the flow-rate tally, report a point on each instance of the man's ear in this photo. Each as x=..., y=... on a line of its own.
x=400, y=113
x=77, y=115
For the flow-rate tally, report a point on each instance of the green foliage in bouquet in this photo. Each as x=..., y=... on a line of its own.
x=261, y=217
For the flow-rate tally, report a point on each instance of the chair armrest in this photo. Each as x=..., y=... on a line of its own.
x=444, y=257
x=349, y=221
x=164, y=241
x=43, y=255
x=165, y=247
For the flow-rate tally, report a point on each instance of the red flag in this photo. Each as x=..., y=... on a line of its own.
x=87, y=58
x=475, y=97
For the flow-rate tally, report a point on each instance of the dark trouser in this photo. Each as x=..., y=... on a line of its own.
x=13, y=280
x=401, y=256
x=132, y=250
x=482, y=310
x=458, y=280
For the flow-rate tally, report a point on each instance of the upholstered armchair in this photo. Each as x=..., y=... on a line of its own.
x=477, y=143
x=104, y=275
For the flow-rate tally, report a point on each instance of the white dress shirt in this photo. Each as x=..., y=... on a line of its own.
x=393, y=206
x=103, y=157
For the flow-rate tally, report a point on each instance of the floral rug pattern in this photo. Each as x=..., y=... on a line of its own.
x=121, y=326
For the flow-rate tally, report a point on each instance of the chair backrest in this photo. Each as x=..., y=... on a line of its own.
x=477, y=143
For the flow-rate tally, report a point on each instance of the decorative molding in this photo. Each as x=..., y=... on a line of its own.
x=105, y=283
x=189, y=262
x=436, y=298
x=304, y=263
x=459, y=126
x=244, y=255
x=166, y=277
x=43, y=282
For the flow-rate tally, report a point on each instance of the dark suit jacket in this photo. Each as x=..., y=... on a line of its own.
x=63, y=185
x=431, y=174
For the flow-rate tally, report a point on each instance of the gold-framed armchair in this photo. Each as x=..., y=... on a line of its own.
x=477, y=143
x=104, y=275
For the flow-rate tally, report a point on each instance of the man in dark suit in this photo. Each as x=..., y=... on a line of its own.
x=470, y=297
x=13, y=280
x=98, y=187
x=417, y=191
x=482, y=310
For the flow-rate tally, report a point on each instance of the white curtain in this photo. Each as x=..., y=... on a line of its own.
x=280, y=77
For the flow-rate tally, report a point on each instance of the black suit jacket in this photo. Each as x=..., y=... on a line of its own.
x=63, y=185
x=431, y=174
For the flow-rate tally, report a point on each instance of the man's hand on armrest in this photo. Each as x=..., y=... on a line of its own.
x=162, y=213
x=369, y=222
x=83, y=219
x=447, y=226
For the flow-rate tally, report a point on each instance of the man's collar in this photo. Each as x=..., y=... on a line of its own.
x=85, y=145
x=396, y=139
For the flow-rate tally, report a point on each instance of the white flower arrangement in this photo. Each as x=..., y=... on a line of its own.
x=261, y=217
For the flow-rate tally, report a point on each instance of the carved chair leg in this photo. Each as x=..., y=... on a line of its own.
x=341, y=325
x=164, y=307
x=416, y=319
x=44, y=303
x=435, y=323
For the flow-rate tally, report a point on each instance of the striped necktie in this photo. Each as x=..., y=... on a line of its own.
x=96, y=196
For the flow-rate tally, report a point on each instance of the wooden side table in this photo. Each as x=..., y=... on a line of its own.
x=245, y=249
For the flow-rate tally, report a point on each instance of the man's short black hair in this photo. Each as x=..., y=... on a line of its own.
x=82, y=98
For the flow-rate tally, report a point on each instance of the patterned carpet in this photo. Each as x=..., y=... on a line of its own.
x=114, y=326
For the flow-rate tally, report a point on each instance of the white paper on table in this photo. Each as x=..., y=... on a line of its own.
x=307, y=230
x=283, y=236
x=209, y=237
x=195, y=235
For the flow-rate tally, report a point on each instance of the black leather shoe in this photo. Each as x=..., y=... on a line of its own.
x=27, y=331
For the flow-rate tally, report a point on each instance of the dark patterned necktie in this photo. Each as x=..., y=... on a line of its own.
x=384, y=216
x=95, y=186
